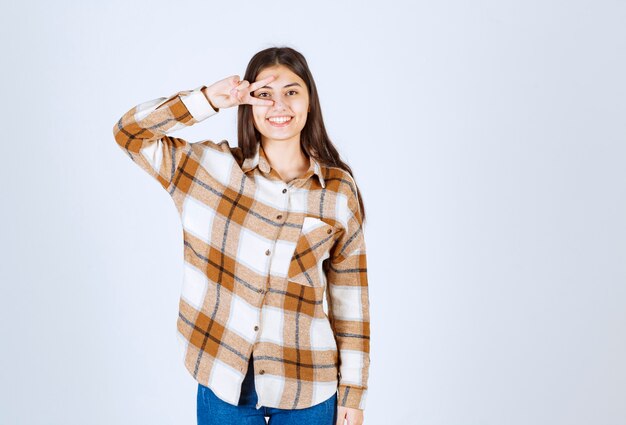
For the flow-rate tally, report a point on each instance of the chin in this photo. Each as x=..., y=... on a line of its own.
x=279, y=137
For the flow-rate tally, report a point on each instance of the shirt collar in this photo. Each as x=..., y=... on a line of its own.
x=259, y=159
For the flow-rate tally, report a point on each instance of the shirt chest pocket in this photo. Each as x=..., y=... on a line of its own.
x=313, y=247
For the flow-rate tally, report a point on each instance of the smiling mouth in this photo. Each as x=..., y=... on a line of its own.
x=279, y=121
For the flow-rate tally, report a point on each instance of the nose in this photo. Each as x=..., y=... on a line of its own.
x=279, y=104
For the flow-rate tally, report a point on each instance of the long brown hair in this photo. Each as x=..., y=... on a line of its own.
x=314, y=140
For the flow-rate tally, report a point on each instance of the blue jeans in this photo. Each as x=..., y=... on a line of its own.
x=212, y=410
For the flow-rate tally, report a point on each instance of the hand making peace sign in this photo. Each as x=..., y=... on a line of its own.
x=232, y=92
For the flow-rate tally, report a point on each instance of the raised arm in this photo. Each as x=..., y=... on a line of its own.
x=348, y=305
x=142, y=131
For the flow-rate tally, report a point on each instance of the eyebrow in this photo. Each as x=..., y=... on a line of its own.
x=288, y=85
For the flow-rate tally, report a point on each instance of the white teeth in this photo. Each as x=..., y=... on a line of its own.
x=279, y=120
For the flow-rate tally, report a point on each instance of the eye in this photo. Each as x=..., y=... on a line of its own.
x=259, y=94
x=294, y=91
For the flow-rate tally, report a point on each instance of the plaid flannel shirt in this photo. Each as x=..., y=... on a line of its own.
x=274, y=267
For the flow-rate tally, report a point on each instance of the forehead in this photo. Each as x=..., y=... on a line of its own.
x=283, y=75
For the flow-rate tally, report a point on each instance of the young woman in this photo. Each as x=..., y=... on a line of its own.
x=274, y=309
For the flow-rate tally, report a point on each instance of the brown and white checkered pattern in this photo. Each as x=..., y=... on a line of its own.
x=254, y=249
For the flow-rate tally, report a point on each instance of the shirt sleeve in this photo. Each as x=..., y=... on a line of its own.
x=141, y=132
x=348, y=306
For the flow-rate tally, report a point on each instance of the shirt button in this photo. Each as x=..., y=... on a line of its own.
x=279, y=216
x=261, y=372
x=256, y=328
x=284, y=190
x=267, y=252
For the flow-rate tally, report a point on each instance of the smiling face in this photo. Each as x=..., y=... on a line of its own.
x=286, y=118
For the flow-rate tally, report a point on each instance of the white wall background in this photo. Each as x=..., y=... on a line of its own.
x=488, y=138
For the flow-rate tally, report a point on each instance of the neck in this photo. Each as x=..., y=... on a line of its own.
x=286, y=157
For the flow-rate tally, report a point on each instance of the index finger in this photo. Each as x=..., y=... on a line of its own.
x=261, y=83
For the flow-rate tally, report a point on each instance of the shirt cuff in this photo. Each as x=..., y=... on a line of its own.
x=197, y=104
x=349, y=396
